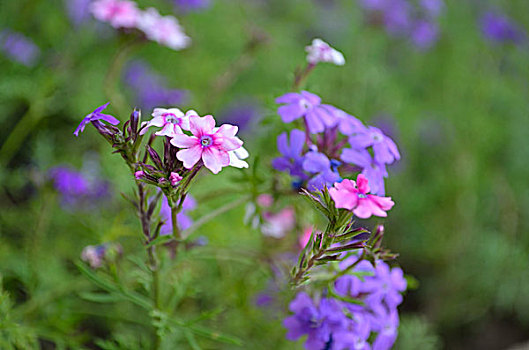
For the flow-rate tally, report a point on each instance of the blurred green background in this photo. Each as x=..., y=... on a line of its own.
x=458, y=111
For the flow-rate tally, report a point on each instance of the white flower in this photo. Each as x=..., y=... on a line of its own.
x=237, y=156
x=171, y=120
x=119, y=13
x=320, y=51
x=164, y=30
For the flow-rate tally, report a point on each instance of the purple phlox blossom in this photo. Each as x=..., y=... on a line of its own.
x=498, y=28
x=171, y=120
x=96, y=115
x=191, y=5
x=165, y=30
x=77, y=188
x=386, y=327
x=307, y=105
x=208, y=143
x=320, y=51
x=384, y=149
x=277, y=225
x=347, y=124
x=150, y=88
x=373, y=171
x=424, y=34
x=318, y=322
x=19, y=48
x=182, y=218
x=325, y=170
x=292, y=159
x=397, y=17
x=118, y=13
x=78, y=11
x=385, y=286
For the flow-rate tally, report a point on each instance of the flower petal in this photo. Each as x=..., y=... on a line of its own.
x=201, y=125
x=214, y=159
x=189, y=156
x=184, y=141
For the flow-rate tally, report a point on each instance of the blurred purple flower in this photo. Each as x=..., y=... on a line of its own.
x=499, y=28
x=76, y=188
x=372, y=170
x=191, y=5
x=292, y=160
x=183, y=220
x=424, y=34
x=96, y=115
x=150, y=89
x=433, y=8
x=78, y=11
x=19, y=48
x=385, y=150
x=307, y=105
x=241, y=113
x=326, y=173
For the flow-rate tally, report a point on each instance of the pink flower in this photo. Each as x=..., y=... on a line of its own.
x=119, y=13
x=207, y=143
x=171, y=120
x=320, y=51
x=175, y=178
x=164, y=30
x=139, y=174
x=305, y=237
x=354, y=196
x=278, y=224
x=265, y=200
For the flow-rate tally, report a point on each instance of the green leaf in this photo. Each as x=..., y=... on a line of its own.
x=160, y=240
x=100, y=297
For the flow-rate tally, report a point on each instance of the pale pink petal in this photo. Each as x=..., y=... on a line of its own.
x=189, y=156
x=363, y=210
x=156, y=121
x=184, y=141
x=385, y=203
x=170, y=130
x=201, y=125
x=227, y=130
x=215, y=159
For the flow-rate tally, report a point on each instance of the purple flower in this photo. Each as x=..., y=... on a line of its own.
x=385, y=286
x=386, y=151
x=374, y=172
x=499, y=28
x=150, y=89
x=424, y=34
x=317, y=116
x=292, y=159
x=397, y=17
x=325, y=170
x=77, y=189
x=347, y=124
x=243, y=114
x=183, y=220
x=19, y=48
x=96, y=115
x=191, y=5
x=432, y=8
x=319, y=322
x=78, y=11
x=386, y=327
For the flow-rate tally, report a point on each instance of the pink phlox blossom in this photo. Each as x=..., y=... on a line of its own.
x=171, y=120
x=207, y=143
x=265, y=200
x=320, y=51
x=139, y=174
x=355, y=196
x=165, y=30
x=118, y=13
x=237, y=158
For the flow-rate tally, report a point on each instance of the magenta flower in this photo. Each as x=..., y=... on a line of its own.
x=165, y=30
x=96, y=115
x=207, y=143
x=118, y=13
x=354, y=196
x=171, y=120
x=317, y=116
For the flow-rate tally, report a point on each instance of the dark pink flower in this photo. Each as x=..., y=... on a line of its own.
x=175, y=178
x=207, y=143
x=354, y=196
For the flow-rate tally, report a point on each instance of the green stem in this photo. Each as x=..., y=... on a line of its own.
x=174, y=220
x=157, y=340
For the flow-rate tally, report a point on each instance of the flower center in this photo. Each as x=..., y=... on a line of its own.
x=376, y=137
x=361, y=195
x=206, y=141
x=171, y=118
x=305, y=104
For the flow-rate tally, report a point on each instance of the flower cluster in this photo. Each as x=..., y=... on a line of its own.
x=149, y=88
x=404, y=18
x=364, y=307
x=125, y=14
x=334, y=142
x=19, y=48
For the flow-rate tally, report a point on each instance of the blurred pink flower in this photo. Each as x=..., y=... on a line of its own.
x=354, y=196
x=165, y=30
x=278, y=224
x=175, y=178
x=118, y=13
